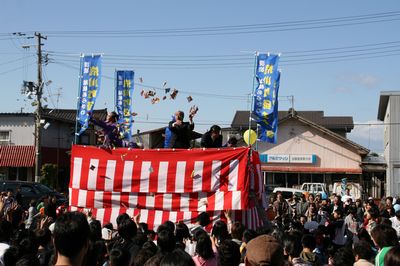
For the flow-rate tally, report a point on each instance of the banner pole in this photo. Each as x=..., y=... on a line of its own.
x=78, y=99
x=252, y=92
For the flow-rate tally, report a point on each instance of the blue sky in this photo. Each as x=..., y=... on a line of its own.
x=327, y=63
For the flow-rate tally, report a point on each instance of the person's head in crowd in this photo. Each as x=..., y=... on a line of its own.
x=71, y=234
x=109, y=226
x=166, y=241
x=95, y=230
x=119, y=257
x=127, y=229
x=389, y=201
x=310, y=198
x=151, y=246
x=142, y=257
x=140, y=238
x=303, y=198
x=358, y=203
x=347, y=192
x=5, y=231
x=228, y=253
x=122, y=217
x=308, y=242
x=317, y=197
x=362, y=251
x=43, y=237
x=279, y=196
x=292, y=246
x=303, y=220
x=338, y=214
x=181, y=232
x=384, y=236
x=385, y=221
x=98, y=253
x=312, y=208
x=203, y=219
x=352, y=210
x=151, y=235
x=392, y=257
x=370, y=204
x=343, y=257
x=11, y=255
x=220, y=231
x=278, y=233
x=10, y=193
x=28, y=245
x=204, y=247
x=232, y=142
x=28, y=260
x=264, y=250
x=177, y=257
x=237, y=230
x=337, y=200
x=143, y=227
x=363, y=235
x=155, y=260
x=372, y=214
x=169, y=225
x=248, y=235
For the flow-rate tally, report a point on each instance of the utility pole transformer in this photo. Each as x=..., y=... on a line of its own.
x=39, y=91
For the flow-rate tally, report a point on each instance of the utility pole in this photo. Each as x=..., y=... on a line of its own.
x=39, y=90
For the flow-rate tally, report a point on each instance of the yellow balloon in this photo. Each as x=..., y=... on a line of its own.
x=250, y=136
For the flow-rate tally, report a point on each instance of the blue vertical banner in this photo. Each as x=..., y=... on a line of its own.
x=269, y=130
x=89, y=88
x=123, y=101
x=266, y=96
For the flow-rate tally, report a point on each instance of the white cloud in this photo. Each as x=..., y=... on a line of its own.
x=368, y=134
x=364, y=80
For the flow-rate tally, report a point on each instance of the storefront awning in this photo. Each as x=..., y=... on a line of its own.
x=308, y=169
x=17, y=156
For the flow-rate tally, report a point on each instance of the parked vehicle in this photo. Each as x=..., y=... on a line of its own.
x=316, y=188
x=287, y=193
x=355, y=189
x=30, y=191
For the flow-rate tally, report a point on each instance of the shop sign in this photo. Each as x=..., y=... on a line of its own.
x=288, y=158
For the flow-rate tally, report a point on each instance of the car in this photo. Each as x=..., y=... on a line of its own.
x=315, y=188
x=31, y=191
x=287, y=193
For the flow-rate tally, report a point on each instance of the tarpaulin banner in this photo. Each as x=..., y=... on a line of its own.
x=89, y=88
x=123, y=101
x=269, y=124
x=165, y=184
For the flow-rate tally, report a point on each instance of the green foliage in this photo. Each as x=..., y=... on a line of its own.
x=49, y=175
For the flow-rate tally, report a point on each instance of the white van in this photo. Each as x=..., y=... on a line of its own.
x=287, y=193
x=355, y=189
x=316, y=188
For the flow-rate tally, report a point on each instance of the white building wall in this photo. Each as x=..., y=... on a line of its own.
x=393, y=158
x=295, y=137
x=22, y=129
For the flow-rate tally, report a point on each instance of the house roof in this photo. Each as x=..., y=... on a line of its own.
x=241, y=119
x=65, y=115
x=69, y=115
x=383, y=102
x=361, y=150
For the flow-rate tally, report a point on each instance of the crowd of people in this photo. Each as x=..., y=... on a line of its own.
x=313, y=230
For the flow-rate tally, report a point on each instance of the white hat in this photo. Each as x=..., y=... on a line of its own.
x=51, y=227
x=106, y=234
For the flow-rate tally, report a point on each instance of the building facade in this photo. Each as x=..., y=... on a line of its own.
x=389, y=113
x=312, y=147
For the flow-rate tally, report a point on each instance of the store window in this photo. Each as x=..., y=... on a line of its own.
x=5, y=137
